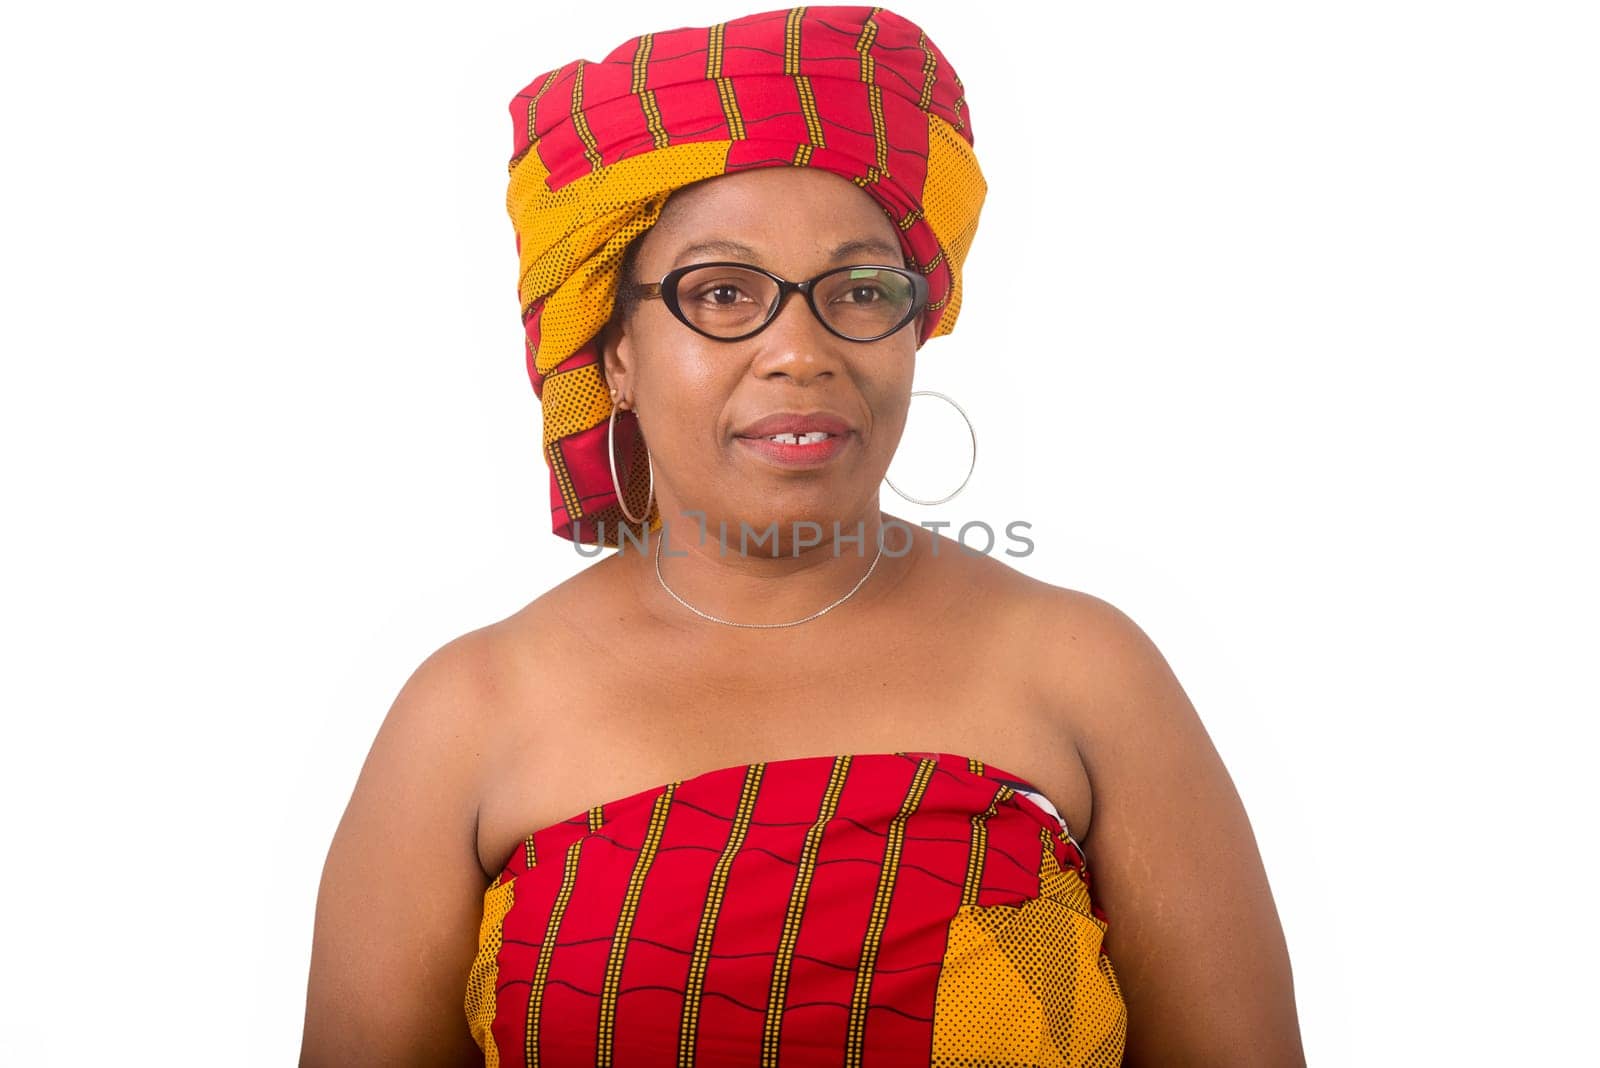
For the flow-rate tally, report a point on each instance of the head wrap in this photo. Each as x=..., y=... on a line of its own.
x=599, y=147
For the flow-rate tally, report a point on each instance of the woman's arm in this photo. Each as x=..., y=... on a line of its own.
x=399, y=904
x=1194, y=934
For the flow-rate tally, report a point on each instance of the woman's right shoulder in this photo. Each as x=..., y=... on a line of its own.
x=416, y=809
x=504, y=666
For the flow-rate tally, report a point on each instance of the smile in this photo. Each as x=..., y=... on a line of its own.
x=796, y=450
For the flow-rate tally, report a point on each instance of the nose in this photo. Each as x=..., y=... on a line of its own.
x=796, y=346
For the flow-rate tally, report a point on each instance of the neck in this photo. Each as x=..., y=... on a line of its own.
x=779, y=572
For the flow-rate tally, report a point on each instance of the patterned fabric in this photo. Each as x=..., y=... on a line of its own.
x=599, y=147
x=862, y=910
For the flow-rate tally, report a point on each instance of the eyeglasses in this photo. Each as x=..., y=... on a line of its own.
x=734, y=301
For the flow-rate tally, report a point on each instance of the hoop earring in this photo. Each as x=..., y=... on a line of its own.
x=974, y=464
x=611, y=454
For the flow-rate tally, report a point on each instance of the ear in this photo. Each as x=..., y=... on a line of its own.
x=616, y=356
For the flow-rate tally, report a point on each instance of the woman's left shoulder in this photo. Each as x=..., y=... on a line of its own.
x=1106, y=660
x=1104, y=669
x=1061, y=617
x=1173, y=853
x=1094, y=654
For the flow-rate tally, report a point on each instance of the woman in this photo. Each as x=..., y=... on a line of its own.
x=784, y=779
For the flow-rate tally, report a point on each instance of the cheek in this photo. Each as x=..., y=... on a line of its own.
x=686, y=381
x=685, y=387
x=887, y=389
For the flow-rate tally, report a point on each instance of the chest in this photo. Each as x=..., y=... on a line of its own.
x=637, y=718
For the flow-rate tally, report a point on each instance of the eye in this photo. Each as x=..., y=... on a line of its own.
x=860, y=293
x=723, y=294
x=864, y=294
x=867, y=289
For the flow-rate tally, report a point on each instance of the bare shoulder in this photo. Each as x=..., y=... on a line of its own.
x=498, y=664
x=1194, y=932
x=1104, y=661
x=1081, y=642
x=450, y=704
x=398, y=906
x=979, y=581
x=1105, y=670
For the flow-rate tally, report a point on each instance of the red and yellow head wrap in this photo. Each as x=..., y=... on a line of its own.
x=599, y=147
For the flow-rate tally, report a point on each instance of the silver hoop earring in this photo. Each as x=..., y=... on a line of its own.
x=611, y=454
x=970, y=468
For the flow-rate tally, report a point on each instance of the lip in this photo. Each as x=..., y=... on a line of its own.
x=795, y=455
x=797, y=423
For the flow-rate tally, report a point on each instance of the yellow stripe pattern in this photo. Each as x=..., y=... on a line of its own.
x=930, y=63
x=547, y=948
x=808, y=108
x=802, y=83
x=611, y=987
x=563, y=477
x=694, y=987
x=730, y=105
x=791, y=41
x=591, y=148
x=980, y=845
x=533, y=111
x=647, y=97
x=880, y=137
x=804, y=870
x=888, y=872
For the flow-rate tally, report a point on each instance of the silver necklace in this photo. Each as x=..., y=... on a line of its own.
x=761, y=626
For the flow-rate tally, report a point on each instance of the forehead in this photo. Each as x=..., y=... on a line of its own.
x=788, y=214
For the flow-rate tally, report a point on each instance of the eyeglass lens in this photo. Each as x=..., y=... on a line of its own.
x=858, y=302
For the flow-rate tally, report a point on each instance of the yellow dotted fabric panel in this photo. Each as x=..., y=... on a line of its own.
x=1028, y=986
x=572, y=240
x=482, y=980
x=952, y=201
x=575, y=398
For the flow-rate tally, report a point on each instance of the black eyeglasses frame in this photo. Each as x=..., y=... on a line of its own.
x=666, y=290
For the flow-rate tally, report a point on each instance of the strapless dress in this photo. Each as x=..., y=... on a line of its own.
x=862, y=910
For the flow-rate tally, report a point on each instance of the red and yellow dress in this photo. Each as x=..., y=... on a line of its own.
x=867, y=910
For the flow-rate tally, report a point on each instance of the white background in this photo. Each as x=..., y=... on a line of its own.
x=1287, y=322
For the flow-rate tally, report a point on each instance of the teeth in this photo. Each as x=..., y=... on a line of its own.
x=800, y=439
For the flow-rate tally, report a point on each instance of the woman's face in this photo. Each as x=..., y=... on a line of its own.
x=696, y=396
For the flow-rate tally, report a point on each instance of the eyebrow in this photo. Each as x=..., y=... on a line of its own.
x=723, y=247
